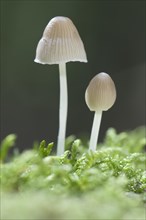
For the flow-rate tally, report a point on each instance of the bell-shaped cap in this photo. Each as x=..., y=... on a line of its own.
x=60, y=42
x=100, y=94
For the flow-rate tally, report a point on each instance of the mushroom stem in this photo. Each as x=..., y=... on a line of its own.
x=63, y=109
x=95, y=130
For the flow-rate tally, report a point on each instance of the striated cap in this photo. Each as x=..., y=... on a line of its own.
x=100, y=94
x=60, y=42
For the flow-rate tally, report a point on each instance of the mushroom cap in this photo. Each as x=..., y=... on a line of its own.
x=60, y=42
x=100, y=94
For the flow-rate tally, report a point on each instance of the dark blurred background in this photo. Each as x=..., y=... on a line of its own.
x=113, y=33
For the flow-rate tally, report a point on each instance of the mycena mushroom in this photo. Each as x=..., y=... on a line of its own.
x=100, y=95
x=60, y=44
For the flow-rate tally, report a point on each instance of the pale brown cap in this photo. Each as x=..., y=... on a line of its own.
x=100, y=94
x=60, y=42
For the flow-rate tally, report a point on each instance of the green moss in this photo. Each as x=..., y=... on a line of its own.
x=107, y=184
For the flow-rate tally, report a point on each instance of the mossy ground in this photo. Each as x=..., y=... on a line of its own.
x=107, y=184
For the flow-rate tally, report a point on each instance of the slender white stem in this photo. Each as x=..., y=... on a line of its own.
x=95, y=130
x=62, y=109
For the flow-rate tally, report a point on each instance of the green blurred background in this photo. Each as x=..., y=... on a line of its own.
x=113, y=33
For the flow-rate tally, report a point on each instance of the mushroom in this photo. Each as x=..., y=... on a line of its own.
x=61, y=43
x=100, y=95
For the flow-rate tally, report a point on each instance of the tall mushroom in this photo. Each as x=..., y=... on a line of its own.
x=100, y=95
x=60, y=44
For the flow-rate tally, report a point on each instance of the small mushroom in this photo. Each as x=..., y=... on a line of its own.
x=60, y=44
x=100, y=95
